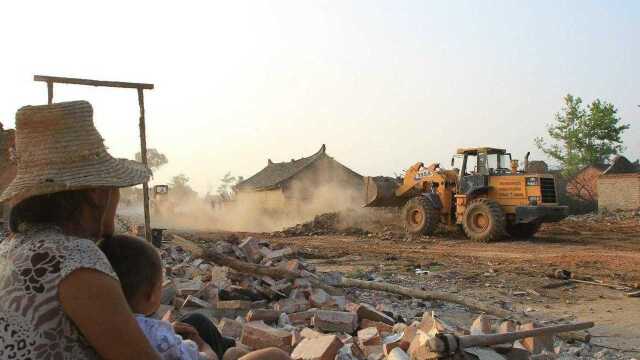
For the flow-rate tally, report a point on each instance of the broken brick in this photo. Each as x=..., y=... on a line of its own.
x=320, y=298
x=536, y=344
x=251, y=249
x=325, y=347
x=369, y=336
x=309, y=333
x=266, y=315
x=192, y=301
x=481, y=326
x=258, y=335
x=382, y=327
x=234, y=305
x=290, y=306
x=301, y=318
x=230, y=328
x=366, y=311
x=335, y=321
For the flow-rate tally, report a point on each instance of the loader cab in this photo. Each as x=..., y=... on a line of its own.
x=476, y=165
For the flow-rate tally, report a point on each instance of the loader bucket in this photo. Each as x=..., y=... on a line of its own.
x=381, y=192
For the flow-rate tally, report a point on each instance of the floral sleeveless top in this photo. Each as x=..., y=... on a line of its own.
x=32, y=322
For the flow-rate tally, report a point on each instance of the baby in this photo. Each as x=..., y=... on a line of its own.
x=139, y=268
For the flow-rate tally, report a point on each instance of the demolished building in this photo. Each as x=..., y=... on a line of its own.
x=294, y=183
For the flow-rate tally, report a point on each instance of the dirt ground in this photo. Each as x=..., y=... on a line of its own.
x=511, y=273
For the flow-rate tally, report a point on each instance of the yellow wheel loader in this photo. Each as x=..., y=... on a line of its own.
x=487, y=196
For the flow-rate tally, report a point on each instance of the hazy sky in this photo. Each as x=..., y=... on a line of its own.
x=383, y=83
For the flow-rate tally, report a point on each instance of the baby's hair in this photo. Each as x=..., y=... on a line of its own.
x=135, y=261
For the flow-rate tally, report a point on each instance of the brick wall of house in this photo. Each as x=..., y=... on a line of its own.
x=619, y=192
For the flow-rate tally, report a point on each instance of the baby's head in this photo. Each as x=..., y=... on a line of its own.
x=138, y=265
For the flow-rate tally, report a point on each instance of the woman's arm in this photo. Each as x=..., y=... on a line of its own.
x=96, y=304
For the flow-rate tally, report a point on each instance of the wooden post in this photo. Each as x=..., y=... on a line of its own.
x=49, y=92
x=143, y=155
x=50, y=80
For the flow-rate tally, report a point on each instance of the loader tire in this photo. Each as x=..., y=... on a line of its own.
x=484, y=221
x=420, y=217
x=523, y=231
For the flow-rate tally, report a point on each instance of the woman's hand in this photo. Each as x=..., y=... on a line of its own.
x=96, y=304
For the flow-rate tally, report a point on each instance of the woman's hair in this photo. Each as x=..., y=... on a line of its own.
x=135, y=261
x=57, y=208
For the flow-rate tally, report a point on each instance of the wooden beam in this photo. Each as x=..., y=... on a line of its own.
x=89, y=82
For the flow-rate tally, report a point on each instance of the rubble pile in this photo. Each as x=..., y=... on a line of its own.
x=323, y=224
x=308, y=322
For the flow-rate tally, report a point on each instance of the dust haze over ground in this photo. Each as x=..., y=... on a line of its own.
x=252, y=215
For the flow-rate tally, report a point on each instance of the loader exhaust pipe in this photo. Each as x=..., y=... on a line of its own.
x=526, y=161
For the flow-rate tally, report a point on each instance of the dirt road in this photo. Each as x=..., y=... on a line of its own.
x=511, y=273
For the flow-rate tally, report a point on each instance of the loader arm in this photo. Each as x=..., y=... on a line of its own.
x=410, y=179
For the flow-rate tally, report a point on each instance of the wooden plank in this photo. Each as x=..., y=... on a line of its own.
x=89, y=82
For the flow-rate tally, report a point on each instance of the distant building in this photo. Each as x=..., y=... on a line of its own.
x=619, y=186
x=293, y=183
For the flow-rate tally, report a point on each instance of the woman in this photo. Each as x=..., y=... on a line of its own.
x=60, y=297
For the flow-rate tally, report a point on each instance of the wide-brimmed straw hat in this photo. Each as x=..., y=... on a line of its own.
x=59, y=149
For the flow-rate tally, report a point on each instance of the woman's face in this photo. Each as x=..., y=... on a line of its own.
x=108, y=221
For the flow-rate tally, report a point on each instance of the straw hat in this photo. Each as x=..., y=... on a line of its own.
x=59, y=149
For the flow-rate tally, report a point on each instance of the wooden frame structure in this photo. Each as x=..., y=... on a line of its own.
x=140, y=87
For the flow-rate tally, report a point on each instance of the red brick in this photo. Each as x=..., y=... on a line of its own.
x=258, y=335
x=230, y=328
x=366, y=311
x=301, y=318
x=234, y=305
x=321, y=348
x=266, y=315
x=335, y=321
x=382, y=327
x=369, y=336
x=536, y=344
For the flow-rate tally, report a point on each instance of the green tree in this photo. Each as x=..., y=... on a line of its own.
x=155, y=159
x=581, y=137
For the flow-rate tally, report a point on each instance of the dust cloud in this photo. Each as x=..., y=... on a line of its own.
x=261, y=212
